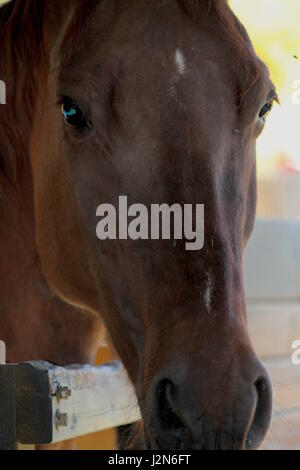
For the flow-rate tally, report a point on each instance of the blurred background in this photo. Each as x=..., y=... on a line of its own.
x=272, y=264
x=274, y=27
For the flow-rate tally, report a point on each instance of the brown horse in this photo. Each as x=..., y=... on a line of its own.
x=161, y=101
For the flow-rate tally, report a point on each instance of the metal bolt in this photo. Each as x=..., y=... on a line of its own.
x=63, y=393
x=61, y=419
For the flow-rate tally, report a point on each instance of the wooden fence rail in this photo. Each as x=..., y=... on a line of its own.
x=44, y=404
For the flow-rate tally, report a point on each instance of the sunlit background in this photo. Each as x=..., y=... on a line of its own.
x=274, y=27
x=273, y=261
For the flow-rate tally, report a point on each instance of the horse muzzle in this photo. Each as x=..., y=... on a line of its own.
x=187, y=411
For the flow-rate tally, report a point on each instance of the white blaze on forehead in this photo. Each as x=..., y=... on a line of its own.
x=179, y=62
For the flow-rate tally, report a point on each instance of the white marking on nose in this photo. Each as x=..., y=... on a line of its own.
x=208, y=293
x=180, y=62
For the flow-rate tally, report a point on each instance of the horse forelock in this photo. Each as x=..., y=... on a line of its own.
x=199, y=10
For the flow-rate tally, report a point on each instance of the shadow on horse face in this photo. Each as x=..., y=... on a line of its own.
x=174, y=113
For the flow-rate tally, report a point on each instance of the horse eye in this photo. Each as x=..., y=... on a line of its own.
x=266, y=109
x=73, y=115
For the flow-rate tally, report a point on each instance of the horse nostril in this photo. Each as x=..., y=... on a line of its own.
x=261, y=386
x=167, y=413
x=181, y=419
x=262, y=415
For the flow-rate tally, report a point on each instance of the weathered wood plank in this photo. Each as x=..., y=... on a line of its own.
x=34, y=404
x=101, y=398
x=8, y=430
x=56, y=403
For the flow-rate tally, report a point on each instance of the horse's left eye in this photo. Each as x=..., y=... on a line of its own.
x=73, y=115
x=266, y=109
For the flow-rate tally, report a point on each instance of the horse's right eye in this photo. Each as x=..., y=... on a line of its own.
x=73, y=115
x=266, y=109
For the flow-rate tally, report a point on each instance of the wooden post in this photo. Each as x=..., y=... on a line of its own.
x=44, y=404
x=8, y=425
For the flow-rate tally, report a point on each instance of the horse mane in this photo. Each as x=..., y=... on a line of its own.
x=21, y=39
x=5, y=12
